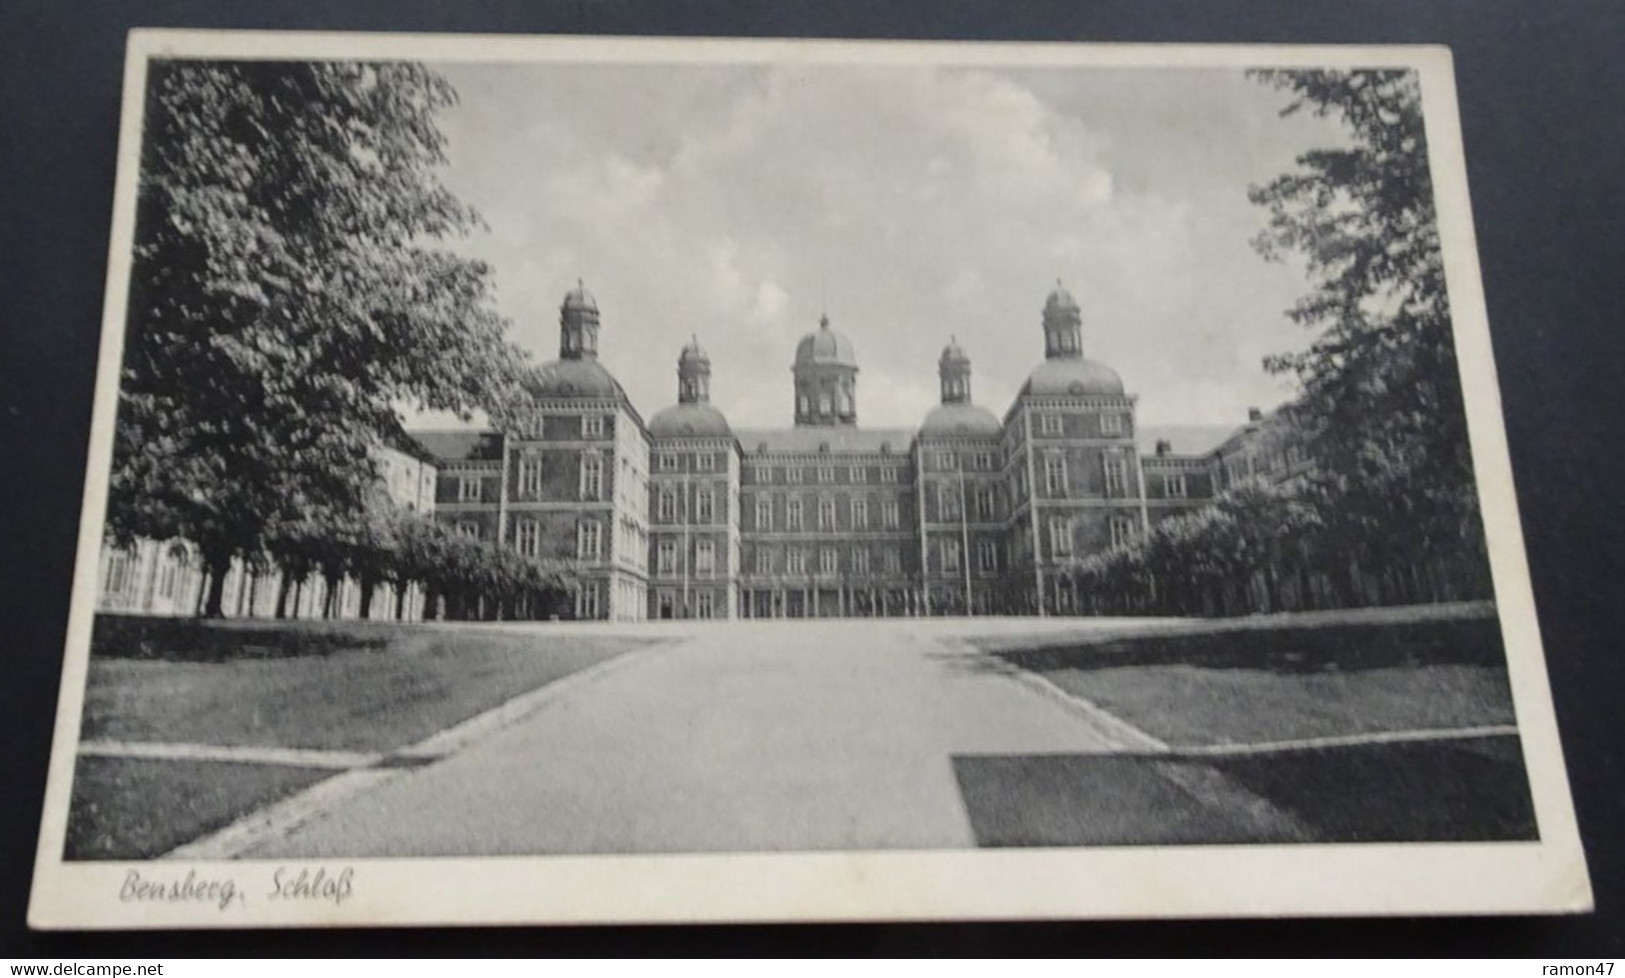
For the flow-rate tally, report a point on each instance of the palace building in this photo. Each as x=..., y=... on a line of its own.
x=683, y=515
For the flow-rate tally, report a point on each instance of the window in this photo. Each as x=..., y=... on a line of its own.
x=174, y=563
x=762, y=473
x=1060, y=536
x=795, y=561
x=530, y=478
x=984, y=503
x=984, y=460
x=829, y=560
x=826, y=473
x=668, y=461
x=792, y=473
x=118, y=571
x=860, y=513
x=705, y=462
x=587, y=601
x=792, y=514
x=592, y=426
x=857, y=473
x=704, y=506
x=666, y=507
x=666, y=557
x=826, y=513
x=704, y=604
x=1111, y=423
x=764, y=513
x=950, y=556
x=468, y=528
x=1054, y=474
x=468, y=489
x=888, y=473
x=705, y=557
x=888, y=514
x=945, y=460
x=1122, y=531
x=1049, y=424
x=525, y=537
x=893, y=562
x=860, y=561
x=589, y=540
x=1116, y=476
x=592, y=476
x=947, y=502
x=764, y=561
x=987, y=556
x=1174, y=485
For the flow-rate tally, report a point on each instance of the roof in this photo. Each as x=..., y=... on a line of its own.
x=689, y=421
x=459, y=445
x=1187, y=439
x=585, y=377
x=809, y=440
x=951, y=420
x=580, y=298
x=1073, y=376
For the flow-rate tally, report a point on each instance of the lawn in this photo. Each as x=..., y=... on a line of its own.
x=304, y=685
x=138, y=809
x=1288, y=683
x=371, y=698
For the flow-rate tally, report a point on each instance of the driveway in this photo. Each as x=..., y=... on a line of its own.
x=732, y=737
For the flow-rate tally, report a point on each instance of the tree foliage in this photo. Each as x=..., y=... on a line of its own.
x=289, y=293
x=1382, y=409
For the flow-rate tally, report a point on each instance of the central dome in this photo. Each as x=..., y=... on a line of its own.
x=825, y=346
x=1075, y=377
x=572, y=378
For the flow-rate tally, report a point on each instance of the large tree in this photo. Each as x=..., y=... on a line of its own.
x=1382, y=409
x=291, y=289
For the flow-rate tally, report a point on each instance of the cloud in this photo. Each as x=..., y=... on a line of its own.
x=911, y=203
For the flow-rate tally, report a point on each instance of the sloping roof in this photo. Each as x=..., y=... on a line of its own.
x=459, y=445
x=810, y=439
x=1186, y=439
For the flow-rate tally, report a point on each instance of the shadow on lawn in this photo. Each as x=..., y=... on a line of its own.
x=1286, y=649
x=1435, y=791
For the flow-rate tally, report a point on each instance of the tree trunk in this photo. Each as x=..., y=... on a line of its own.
x=282, y=589
x=218, y=566
x=330, y=599
x=400, y=600
x=368, y=586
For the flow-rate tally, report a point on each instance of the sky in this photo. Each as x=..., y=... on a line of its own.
x=737, y=203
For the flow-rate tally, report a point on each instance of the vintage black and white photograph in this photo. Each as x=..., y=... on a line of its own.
x=752, y=480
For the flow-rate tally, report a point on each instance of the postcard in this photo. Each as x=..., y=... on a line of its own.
x=582, y=480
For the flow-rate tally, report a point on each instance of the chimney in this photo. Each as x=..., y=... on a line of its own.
x=1164, y=446
x=1254, y=414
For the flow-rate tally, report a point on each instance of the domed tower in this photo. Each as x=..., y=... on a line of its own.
x=1063, y=325
x=577, y=372
x=692, y=416
x=826, y=373
x=953, y=367
x=1065, y=370
x=956, y=416
x=578, y=324
x=693, y=374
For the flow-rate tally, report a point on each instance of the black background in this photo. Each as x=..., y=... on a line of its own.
x=1543, y=111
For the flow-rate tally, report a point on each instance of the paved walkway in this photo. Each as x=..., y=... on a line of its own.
x=749, y=736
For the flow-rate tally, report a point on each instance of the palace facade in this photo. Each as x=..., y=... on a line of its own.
x=683, y=515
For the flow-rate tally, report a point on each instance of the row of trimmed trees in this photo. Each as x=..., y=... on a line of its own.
x=460, y=577
x=1262, y=547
